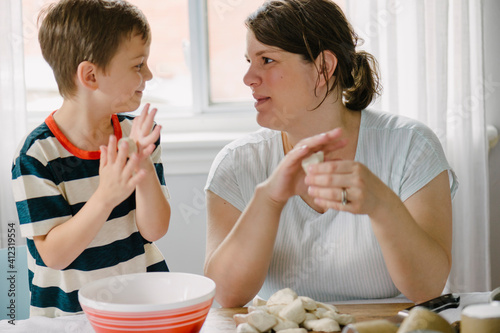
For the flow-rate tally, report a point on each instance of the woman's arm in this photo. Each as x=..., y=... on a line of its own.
x=240, y=244
x=416, y=239
x=415, y=236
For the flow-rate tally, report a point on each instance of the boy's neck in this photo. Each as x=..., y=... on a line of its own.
x=87, y=127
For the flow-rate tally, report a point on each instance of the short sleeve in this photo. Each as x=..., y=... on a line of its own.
x=40, y=204
x=222, y=180
x=425, y=160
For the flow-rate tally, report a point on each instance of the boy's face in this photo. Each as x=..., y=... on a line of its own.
x=124, y=80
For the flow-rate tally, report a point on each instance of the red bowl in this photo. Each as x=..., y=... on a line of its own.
x=148, y=302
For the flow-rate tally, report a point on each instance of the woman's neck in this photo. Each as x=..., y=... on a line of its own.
x=324, y=119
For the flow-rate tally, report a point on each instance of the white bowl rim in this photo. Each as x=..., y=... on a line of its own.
x=140, y=308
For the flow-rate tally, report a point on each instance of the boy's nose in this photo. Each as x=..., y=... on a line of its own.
x=147, y=74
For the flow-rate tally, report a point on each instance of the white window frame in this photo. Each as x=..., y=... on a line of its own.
x=198, y=27
x=192, y=138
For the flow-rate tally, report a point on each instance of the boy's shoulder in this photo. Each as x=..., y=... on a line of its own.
x=125, y=121
x=40, y=133
x=125, y=117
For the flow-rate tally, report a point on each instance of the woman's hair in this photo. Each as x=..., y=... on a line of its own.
x=73, y=31
x=309, y=27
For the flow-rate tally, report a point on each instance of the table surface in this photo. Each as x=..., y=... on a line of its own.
x=221, y=320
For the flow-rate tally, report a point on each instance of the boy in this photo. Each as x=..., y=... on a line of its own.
x=88, y=209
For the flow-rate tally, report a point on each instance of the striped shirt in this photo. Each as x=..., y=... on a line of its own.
x=52, y=180
x=333, y=256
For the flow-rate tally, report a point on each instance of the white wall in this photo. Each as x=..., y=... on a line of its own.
x=491, y=27
x=184, y=244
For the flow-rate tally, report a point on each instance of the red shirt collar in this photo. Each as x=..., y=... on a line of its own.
x=80, y=153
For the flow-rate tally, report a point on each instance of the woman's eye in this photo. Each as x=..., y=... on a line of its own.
x=267, y=60
x=139, y=66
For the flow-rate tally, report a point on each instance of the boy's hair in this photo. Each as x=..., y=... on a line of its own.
x=73, y=31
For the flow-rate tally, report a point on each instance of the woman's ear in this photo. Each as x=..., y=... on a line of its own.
x=86, y=74
x=326, y=62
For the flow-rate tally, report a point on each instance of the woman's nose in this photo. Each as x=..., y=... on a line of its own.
x=251, y=77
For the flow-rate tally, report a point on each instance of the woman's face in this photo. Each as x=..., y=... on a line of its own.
x=282, y=85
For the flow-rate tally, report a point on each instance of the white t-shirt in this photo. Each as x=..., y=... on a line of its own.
x=332, y=256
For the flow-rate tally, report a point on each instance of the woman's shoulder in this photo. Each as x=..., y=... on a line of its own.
x=380, y=119
x=244, y=163
x=390, y=123
x=256, y=140
x=259, y=148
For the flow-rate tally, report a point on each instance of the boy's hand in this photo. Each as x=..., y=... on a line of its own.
x=142, y=134
x=118, y=177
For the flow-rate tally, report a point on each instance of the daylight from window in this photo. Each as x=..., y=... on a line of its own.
x=170, y=56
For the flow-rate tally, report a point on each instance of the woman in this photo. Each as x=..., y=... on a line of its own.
x=371, y=221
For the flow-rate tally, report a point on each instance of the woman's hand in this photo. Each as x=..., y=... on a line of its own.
x=426, y=216
x=363, y=190
x=287, y=179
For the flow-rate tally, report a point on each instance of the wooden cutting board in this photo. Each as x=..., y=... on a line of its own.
x=221, y=320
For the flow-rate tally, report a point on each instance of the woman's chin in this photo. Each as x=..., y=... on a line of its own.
x=272, y=121
x=266, y=121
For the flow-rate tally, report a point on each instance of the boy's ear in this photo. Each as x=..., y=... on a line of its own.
x=86, y=74
x=326, y=63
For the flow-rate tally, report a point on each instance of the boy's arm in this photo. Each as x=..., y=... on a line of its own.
x=152, y=207
x=65, y=242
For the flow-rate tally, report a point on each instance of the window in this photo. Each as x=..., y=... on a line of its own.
x=197, y=59
x=169, y=55
x=41, y=88
x=227, y=43
x=171, y=85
